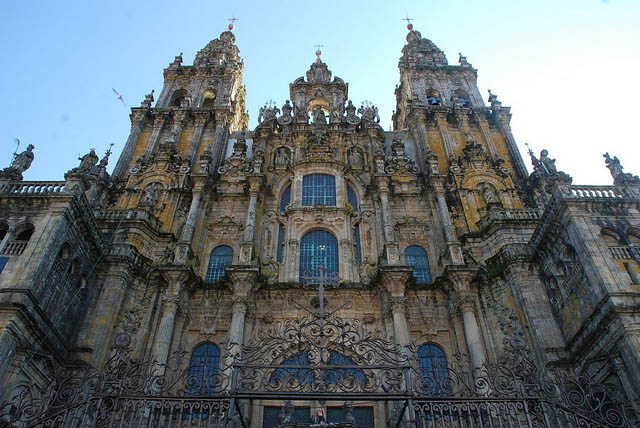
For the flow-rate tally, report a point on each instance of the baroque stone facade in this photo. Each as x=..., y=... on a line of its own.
x=435, y=231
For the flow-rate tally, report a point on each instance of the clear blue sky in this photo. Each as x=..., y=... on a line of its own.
x=568, y=69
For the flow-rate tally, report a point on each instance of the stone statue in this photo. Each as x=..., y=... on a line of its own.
x=150, y=196
x=22, y=161
x=261, y=113
x=547, y=164
x=619, y=177
x=88, y=161
x=613, y=165
x=282, y=157
x=489, y=194
x=286, y=108
x=319, y=116
x=355, y=158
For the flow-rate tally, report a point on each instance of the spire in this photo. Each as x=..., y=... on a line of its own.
x=420, y=52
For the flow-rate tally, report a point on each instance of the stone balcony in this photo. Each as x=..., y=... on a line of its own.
x=14, y=248
x=33, y=188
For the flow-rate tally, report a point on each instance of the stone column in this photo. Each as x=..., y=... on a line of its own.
x=183, y=249
x=441, y=121
x=242, y=282
x=486, y=133
x=395, y=279
x=246, y=252
x=179, y=118
x=158, y=122
x=176, y=279
x=461, y=278
x=219, y=140
x=453, y=245
x=200, y=122
x=137, y=121
x=391, y=247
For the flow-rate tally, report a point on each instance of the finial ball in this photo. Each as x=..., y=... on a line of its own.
x=409, y=27
x=230, y=27
x=318, y=52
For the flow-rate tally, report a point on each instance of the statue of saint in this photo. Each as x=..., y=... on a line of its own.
x=613, y=164
x=22, y=161
x=319, y=116
x=548, y=165
x=88, y=161
x=355, y=157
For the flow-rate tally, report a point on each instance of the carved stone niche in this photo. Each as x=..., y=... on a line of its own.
x=356, y=158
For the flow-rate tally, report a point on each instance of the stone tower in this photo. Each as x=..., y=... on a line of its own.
x=317, y=266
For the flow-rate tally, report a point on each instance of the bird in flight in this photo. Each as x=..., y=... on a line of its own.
x=119, y=96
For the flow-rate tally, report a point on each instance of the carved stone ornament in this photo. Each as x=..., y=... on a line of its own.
x=351, y=118
x=20, y=164
x=286, y=117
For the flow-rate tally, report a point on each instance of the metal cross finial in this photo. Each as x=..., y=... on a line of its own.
x=407, y=19
x=233, y=19
x=270, y=104
x=319, y=46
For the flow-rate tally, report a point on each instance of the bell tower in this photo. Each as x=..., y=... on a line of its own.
x=198, y=107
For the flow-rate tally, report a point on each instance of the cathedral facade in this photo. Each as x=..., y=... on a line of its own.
x=302, y=242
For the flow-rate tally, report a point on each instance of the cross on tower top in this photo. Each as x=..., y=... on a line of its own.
x=409, y=24
x=232, y=20
x=318, y=51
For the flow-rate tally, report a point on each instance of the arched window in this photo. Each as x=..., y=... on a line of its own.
x=220, y=257
x=434, y=375
x=318, y=247
x=178, y=97
x=417, y=257
x=433, y=97
x=356, y=243
x=26, y=233
x=280, y=249
x=203, y=370
x=352, y=198
x=285, y=199
x=463, y=98
x=318, y=189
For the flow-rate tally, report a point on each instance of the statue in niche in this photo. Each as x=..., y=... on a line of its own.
x=319, y=116
x=22, y=161
x=489, y=194
x=150, y=195
x=355, y=158
x=88, y=161
x=282, y=157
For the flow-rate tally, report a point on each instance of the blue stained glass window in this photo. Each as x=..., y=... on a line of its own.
x=318, y=247
x=352, y=198
x=318, y=189
x=356, y=242
x=203, y=370
x=220, y=257
x=303, y=376
x=434, y=376
x=417, y=257
x=285, y=199
x=362, y=415
x=280, y=250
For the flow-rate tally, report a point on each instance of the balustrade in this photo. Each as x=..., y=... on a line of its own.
x=621, y=253
x=14, y=248
x=34, y=187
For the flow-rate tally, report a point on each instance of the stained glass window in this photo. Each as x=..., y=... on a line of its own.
x=280, y=250
x=352, y=198
x=434, y=376
x=356, y=243
x=417, y=257
x=220, y=257
x=304, y=375
x=318, y=189
x=203, y=370
x=285, y=199
x=318, y=247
